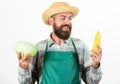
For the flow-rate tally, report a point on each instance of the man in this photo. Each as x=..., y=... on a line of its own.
x=61, y=59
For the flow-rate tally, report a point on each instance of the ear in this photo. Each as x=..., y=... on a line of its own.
x=50, y=21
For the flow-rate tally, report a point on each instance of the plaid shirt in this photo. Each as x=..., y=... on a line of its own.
x=89, y=74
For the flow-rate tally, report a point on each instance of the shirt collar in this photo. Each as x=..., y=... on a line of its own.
x=51, y=42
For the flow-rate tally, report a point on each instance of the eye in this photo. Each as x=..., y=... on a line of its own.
x=62, y=17
x=70, y=18
x=65, y=17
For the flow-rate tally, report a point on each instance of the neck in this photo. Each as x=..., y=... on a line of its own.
x=56, y=39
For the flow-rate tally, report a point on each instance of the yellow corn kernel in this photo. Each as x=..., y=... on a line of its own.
x=97, y=40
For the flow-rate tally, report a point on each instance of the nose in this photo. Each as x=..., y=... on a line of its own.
x=67, y=21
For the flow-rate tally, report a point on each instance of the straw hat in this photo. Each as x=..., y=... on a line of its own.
x=59, y=7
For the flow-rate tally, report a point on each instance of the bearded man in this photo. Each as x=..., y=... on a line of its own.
x=61, y=59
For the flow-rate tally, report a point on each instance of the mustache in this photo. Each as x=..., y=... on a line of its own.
x=66, y=25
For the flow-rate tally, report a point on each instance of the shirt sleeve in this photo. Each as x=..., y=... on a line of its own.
x=24, y=76
x=28, y=76
x=89, y=74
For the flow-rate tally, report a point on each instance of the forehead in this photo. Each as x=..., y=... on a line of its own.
x=68, y=14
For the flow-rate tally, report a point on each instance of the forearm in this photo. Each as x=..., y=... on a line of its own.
x=93, y=76
x=24, y=76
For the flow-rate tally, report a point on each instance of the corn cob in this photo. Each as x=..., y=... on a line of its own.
x=97, y=40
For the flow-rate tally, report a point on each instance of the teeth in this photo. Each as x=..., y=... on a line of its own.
x=66, y=27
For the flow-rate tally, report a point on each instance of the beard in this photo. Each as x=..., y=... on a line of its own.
x=61, y=33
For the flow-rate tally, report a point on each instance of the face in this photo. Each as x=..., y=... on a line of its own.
x=62, y=25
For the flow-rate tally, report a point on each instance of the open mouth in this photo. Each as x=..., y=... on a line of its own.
x=65, y=28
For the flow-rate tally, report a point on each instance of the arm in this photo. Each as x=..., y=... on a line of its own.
x=32, y=72
x=90, y=71
x=24, y=76
x=26, y=71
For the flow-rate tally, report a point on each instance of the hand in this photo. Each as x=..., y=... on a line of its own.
x=25, y=61
x=96, y=57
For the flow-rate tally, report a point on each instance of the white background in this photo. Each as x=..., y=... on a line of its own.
x=20, y=20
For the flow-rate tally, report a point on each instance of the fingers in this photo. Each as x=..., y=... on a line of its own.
x=98, y=52
x=96, y=56
x=26, y=57
x=95, y=52
x=23, y=58
x=99, y=49
x=19, y=56
x=25, y=61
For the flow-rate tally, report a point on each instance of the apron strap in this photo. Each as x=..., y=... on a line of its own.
x=74, y=45
x=76, y=54
x=46, y=47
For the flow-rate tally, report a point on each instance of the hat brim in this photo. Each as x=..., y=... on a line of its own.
x=50, y=12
